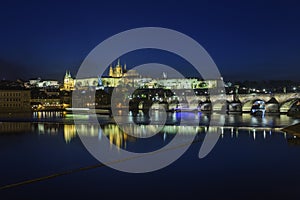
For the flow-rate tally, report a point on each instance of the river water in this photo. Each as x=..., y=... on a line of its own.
x=253, y=159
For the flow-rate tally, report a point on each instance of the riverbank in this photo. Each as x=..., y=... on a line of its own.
x=293, y=129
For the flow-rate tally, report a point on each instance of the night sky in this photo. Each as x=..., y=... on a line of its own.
x=254, y=40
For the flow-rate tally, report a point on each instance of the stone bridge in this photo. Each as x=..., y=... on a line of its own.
x=285, y=101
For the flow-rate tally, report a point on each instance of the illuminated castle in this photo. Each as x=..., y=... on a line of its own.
x=117, y=71
x=118, y=75
x=115, y=74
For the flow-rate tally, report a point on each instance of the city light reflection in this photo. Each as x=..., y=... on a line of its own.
x=235, y=126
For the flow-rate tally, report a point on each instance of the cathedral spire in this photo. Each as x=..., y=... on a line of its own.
x=119, y=62
x=110, y=71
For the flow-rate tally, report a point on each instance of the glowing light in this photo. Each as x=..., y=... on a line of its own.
x=165, y=136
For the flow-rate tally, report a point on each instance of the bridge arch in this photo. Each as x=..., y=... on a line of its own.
x=195, y=104
x=288, y=104
x=247, y=106
x=157, y=105
x=219, y=105
x=206, y=106
x=272, y=106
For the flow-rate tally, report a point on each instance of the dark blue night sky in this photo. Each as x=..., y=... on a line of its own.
x=254, y=40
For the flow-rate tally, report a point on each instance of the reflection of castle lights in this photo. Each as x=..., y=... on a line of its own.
x=115, y=134
x=118, y=136
x=69, y=132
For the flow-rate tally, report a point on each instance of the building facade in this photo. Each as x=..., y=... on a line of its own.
x=14, y=101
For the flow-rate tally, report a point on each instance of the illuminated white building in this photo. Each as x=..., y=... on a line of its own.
x=43, y=83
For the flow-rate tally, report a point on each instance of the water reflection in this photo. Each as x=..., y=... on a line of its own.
x=172, y=118
x=235, y=125
x=48, y=114
x=46, y=128
x=69, y=132
x=120, y=136
x=229, y=120
x=14, y=127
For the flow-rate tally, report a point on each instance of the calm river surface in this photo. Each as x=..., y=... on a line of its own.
x=253, y=159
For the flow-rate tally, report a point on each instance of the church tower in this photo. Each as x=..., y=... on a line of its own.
x=125, y=68
x=118, y=70
x=68, y=81
x=111, y=72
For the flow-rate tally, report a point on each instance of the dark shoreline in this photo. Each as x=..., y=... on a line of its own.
x=293, y=129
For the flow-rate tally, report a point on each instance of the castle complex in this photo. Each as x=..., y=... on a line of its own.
x=118, y=74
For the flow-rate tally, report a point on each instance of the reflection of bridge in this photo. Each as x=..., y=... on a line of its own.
x=285, y=101
x=120, y=137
